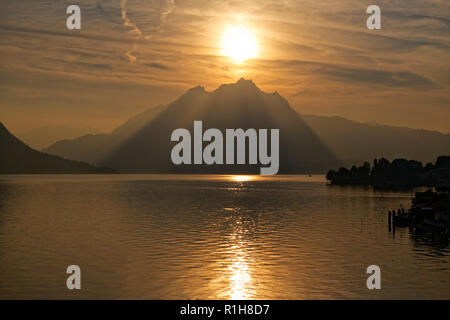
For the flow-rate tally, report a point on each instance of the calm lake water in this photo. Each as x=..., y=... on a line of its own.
x=209, y=237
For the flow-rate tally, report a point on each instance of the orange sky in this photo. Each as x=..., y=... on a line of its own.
x=131, y=55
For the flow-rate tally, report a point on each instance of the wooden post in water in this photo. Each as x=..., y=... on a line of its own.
x=393, y=218
x=389, y=219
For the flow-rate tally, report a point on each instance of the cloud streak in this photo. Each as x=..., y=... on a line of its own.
x=136, y=31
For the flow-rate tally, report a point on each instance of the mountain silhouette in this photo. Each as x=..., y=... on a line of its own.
x=17, y=158
x=146, y=146
x=354, y=142
x=94, y=148
x=305, y=140
x=43, y=137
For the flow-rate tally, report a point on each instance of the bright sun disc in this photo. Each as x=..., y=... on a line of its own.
x=239, y=43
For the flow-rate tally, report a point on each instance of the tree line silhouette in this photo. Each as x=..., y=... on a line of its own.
x=400, y=173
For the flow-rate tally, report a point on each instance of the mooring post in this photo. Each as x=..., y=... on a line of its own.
x=389, y=219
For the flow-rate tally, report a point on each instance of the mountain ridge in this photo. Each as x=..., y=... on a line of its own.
x=236, y=105
x=18, y=158
x=355, y=142
x=345, y=141
x=45, y=136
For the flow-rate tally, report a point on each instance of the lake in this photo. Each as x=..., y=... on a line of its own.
x=210, y=237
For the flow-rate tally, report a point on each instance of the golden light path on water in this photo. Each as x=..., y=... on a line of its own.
x=236, y=278
x=238, y=272
x=240, y=277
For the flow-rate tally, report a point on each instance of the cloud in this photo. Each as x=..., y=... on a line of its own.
x=167, y=12
x=157, y=66
x=389, y=79
x=351, y=75
x=406, y=16
x=136, y=31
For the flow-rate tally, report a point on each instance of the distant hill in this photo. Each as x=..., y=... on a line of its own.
x=94, y=148
x=17, y=158
x=43, y=137
x=237, y=105
x=354, y=143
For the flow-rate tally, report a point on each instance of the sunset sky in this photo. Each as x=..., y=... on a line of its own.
x=131, y=55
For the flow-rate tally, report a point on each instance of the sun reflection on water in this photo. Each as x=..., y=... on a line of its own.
x=235, y=279
x=242, y=178
x=240, y=277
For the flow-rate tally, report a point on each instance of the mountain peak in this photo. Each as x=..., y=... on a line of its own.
x=197, y=89
x=193, y=93
x=242, y=80
x=242, y=84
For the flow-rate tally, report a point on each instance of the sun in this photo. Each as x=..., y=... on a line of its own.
x=239, y=43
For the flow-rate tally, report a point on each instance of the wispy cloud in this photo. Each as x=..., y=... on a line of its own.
x=136, y=31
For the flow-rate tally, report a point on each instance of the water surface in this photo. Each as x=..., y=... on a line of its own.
x=209, y=237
